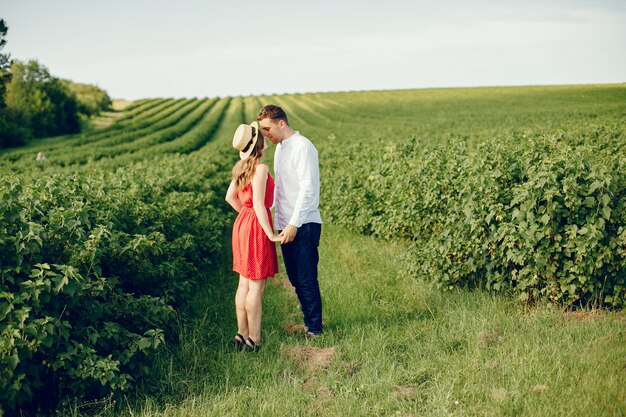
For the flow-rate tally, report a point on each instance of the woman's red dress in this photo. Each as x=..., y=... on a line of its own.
x=254, y=254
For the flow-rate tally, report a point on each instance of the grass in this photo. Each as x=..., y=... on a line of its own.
x=392, y=346
x=107, y=118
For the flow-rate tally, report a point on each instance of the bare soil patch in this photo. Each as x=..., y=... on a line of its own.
x=312, y=358
x=583, y=315
x=119, y=105
x=292, y=328
x=404, y=391
x=488, y=339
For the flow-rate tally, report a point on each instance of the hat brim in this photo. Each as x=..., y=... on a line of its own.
x=246, y=154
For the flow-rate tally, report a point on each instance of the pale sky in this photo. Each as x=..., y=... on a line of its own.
x=193, y=48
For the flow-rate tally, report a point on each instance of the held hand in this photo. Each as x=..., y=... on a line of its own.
x=274, y=238
x=288, y=234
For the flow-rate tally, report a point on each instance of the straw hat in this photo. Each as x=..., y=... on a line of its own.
x=245, y=139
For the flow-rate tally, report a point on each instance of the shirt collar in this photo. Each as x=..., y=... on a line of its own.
x=288, y=140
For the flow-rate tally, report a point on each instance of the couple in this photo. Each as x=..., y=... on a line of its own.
x=295, y=196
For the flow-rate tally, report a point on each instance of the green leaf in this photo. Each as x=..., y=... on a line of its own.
x=589, y=201
x=144, y=343
x=606, y=199
x=596, y=184
x=5, y=308
x=61, y=282
x=13, y=360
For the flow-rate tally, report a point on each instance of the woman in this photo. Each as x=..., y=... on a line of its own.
x=251, y=194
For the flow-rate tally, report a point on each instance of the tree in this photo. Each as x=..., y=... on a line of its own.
x=11, y=132
x=5, y=62
x=34, y=103
x=41, y=101
x=91, y=99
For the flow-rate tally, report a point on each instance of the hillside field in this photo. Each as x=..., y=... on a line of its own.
x=473, y=260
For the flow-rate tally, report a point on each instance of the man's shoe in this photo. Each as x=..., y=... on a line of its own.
x=312, y=335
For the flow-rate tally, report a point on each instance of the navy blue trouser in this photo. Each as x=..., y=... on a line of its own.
x=301, y=258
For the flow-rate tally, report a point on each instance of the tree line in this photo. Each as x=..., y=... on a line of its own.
x=35, y=104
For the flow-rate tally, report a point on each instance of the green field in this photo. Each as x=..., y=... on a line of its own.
x=473, y=260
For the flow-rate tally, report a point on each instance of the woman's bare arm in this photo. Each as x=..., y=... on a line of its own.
x=259, y=182
x=231, y=197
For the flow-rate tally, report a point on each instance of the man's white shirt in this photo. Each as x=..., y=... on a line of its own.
x=297, y=178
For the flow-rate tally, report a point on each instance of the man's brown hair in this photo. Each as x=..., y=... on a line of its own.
x=273, y=112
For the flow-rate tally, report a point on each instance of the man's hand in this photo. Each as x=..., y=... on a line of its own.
x=288, y=234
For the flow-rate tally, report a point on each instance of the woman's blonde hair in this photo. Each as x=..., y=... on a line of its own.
x=243, y=171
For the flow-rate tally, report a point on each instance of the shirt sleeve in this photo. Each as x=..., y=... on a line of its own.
x=276, y=170
x=307, y=172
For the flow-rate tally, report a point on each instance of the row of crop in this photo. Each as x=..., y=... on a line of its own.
x=184, y=116
x=166, y=129
x=188, y=139
x=123, y=132
x=119, y=133
x=53, y=141
x=183, y=134
x=138, y=117
x=92, y=267
x=125, y=129
x=197, y=136
x=139, y=137
x=448, y=115
x=187, y=135
x=131, y=110
x=224, y=128
x=541, y=217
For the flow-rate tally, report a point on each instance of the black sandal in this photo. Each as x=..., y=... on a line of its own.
x=238, y=342
x=251, y=346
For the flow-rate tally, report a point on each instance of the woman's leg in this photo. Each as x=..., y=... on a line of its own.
x=240, y=306
x=254, y=308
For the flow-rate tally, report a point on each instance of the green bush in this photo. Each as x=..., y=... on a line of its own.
x=542, y=217
x=92, y=269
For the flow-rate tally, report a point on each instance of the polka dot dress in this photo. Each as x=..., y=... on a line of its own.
x=254, y=255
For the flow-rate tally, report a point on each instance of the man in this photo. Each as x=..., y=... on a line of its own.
x=297, y=216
